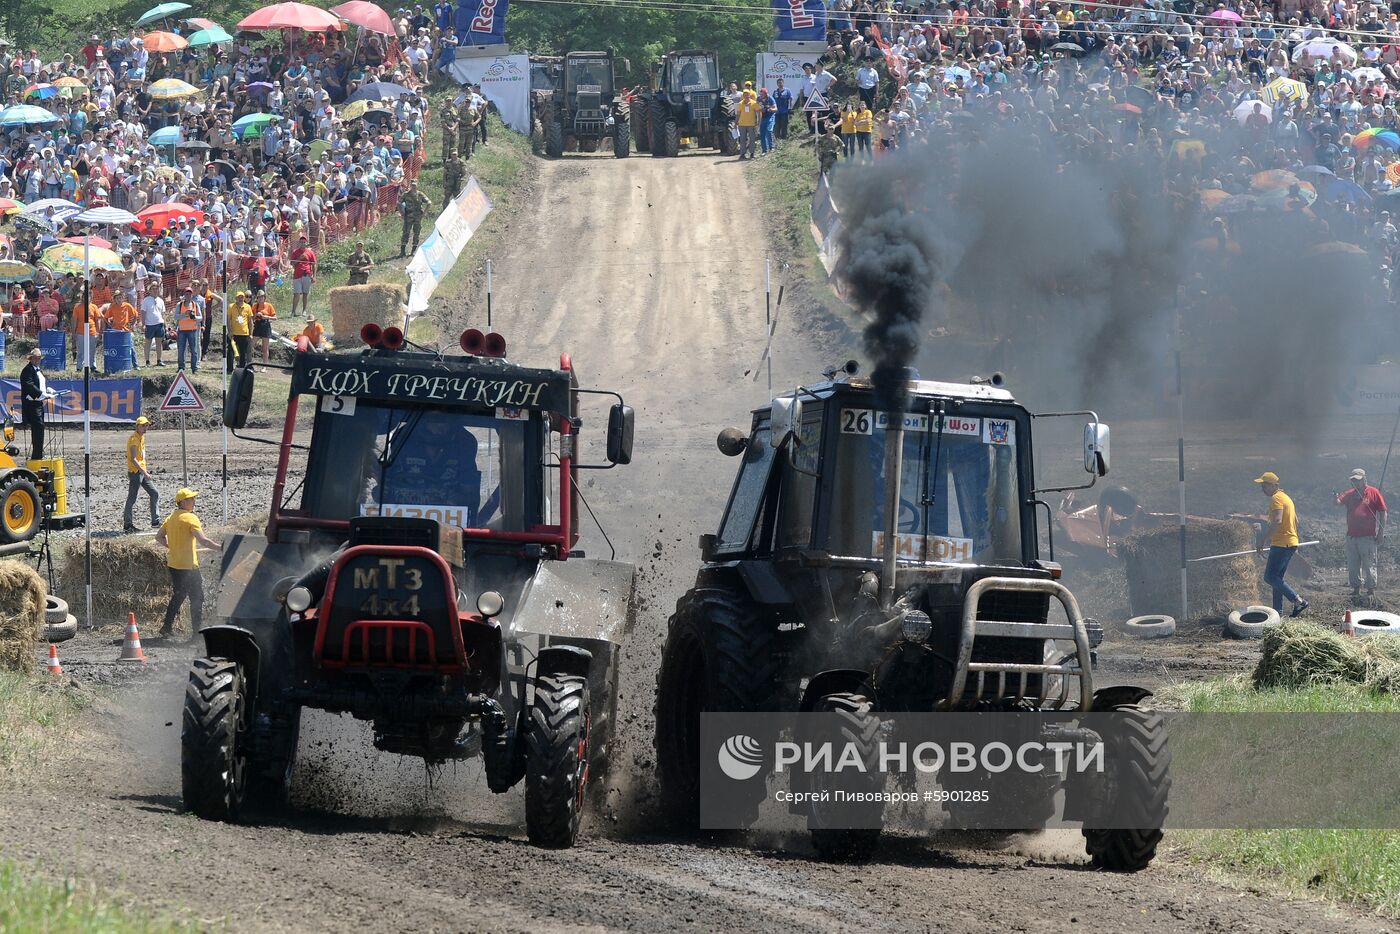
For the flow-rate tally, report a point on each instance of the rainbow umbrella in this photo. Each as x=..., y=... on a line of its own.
x=40, y=92
x=12, y=271
x=167, y=89
x=68, y=257
x=1374, y=136
x=11, y=206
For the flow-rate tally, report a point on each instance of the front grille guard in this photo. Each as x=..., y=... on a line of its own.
x=1078, y=665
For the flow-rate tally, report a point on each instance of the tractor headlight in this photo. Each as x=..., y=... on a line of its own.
x=915, y=626
x=9, y=432
x=298, y=599
x=490, y=604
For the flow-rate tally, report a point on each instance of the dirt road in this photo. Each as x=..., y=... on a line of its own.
x=650, y=273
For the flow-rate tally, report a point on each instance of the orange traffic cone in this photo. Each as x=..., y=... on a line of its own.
x=1348, y=628
x=131, y=646
x=52, y=665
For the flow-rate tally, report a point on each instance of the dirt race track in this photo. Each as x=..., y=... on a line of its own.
x=650, y=273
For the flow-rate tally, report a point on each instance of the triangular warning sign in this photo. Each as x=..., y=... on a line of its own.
x=816, y=103
x=182, y=396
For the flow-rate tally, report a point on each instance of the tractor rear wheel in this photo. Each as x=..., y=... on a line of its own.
x=556, y=760
x=1138, y=760
x=729, y=115
x=657, y=115
x=622, y=141
x=19, y=501
x=554, y=142
x=855, y=726
x=721, y=654
x=213, y=766
x=641, y=132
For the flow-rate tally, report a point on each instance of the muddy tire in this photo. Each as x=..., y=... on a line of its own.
x=861, y=728
x=721, y=654
x=270, y=778
x=213, y=767
x=657, y=115
x=537, y=136
x=671, y=137
x=641, y=131
x=55, y=609
x=729, y=115
x=556, y=760
x=622, y=141
x=1251, y=622
x=554, y=140
x=20, y=512
x=1150, y=627
x=1138, y=783
x=61, y=632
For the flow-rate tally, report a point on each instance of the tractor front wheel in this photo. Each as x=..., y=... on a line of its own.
x=641, y=132
x=671, y=135
x=849, y=832
x=213, y=766
x=554, y=142
x=556, y=760
x=19, y=500
x=622, y=141
x=1138, y=784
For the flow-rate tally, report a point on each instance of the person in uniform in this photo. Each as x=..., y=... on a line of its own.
x=828, y=150
x=359, y=264
x=450, y=121
x=466, y=132
x=454, y=174
x=1282, y=523
x=182, y=534
x=411, y=208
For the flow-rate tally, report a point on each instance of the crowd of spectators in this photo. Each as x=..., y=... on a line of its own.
x=1247, y=111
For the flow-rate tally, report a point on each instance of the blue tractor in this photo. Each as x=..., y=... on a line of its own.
x=686, y=100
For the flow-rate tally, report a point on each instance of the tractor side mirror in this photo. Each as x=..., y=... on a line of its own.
x=731, y=442
x=1096, y=449
x=786, y=416
x=620, y=422
x=240, y=397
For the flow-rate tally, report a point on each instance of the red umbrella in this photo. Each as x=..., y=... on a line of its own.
x=292, y=16
x=199, y=22
x=158, y=217
x=365, y=14
x=1128, y=108
x=92, y=241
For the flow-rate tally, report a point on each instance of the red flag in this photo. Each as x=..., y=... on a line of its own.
x=899, y=71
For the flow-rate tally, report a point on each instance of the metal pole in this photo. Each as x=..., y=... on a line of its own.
x=488, y=293
x=228, y=360
x=1181, y=465
x=87, y=433
x=768, y=314
x=894, y=468
x=184, y=454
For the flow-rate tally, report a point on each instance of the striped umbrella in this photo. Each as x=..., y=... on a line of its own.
x=1284, y=89
x=105, y=215
x=167, y=89
x=12, y=271
x=55, y=209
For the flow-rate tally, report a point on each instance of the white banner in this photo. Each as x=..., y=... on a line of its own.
x=451, y=231
x=770, y=66
x=505, y=82
x=1371, y=390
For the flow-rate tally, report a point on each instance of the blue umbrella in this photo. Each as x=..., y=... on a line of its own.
x=215, y=36
x=21, y=114
x=1342, y=189
x=161, y=12
x=166, y=136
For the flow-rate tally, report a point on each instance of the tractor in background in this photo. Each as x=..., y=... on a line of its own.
x=587, y=108
x=685, y=100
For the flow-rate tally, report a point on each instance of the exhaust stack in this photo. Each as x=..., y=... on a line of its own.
x=894, y=470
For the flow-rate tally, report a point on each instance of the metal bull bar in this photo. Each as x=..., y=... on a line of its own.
x=972, y=627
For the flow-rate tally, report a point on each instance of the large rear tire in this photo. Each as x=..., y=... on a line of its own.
x=1138, y=760
x=728, y=145
x=213, y=767
x=721, y=654
x=657, y=115
x=554, y=141
x=641, y=130
x=20, y=513
x=671, y=134
x=556, y=760
x=622, y=141
x=860, y=728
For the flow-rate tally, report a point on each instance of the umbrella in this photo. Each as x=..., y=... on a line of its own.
x=161, y=216
x=193, y=144
x=356, y=110
x=227, y=169
x=291, y=16
x=164, y=42
x=98, y=242
x=1246, y=108
x=365, y=15
x=259, y=88
x=1070, y=47
x=199, y=22
x=68, y=81
x=167, y=89
x=1323, y=48
x=161, y=12
x=1335, y=248
x=56, y=209
x=215, y=36
x=253, y=122
x=1238, y=204
x=1128, y=108
x=1210, y=197
x=1284, y=89
x=1281, y=197
x=11, y=206
x=1369, y=74
x=69, y=257
x=388, y=91
x=166, y=136
x=20, y=114
x=35, y=222
x=1376, y=136
x=1342, y=189
x=1273, y=179
x=12, y=271
x=1225, y=17
x=41, y=91
x=1321, y=171
x=105, y=215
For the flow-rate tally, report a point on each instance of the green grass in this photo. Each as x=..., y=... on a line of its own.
x=36, y=714
x=29, y=904
x=1360, y=868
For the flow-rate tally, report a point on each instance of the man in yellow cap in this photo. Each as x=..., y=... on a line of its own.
x=138, y=478
x=182, y=534
x=1282, y=521
x=749, y=111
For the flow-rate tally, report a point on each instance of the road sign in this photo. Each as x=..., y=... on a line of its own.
x=816, y=103
x=182, y=396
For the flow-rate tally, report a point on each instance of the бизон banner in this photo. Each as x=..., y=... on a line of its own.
x=113, y=400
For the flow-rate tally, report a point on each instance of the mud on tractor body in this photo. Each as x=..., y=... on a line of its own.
x=873, y=562
x=421, y=574
x=587, y=108
x=686, y=100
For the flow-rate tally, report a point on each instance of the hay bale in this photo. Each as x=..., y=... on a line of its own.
x=1303, y=655
x=1214, y=588
x=22, y=594
x=128, y=576
x=354, y=306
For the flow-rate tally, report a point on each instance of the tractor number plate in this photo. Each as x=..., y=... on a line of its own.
x=384, y=587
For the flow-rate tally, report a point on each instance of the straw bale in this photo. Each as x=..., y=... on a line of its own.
x=128, y=576
x=22, y=594
x=354, y=306
x=1302, y=655
x=1214, y=588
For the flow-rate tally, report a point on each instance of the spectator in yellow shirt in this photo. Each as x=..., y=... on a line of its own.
x=1282, y=521
x=183, y=533
x=749, y=113
x=865, y=125
x=138, y=477
x=848, y=129
x=240, y=317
